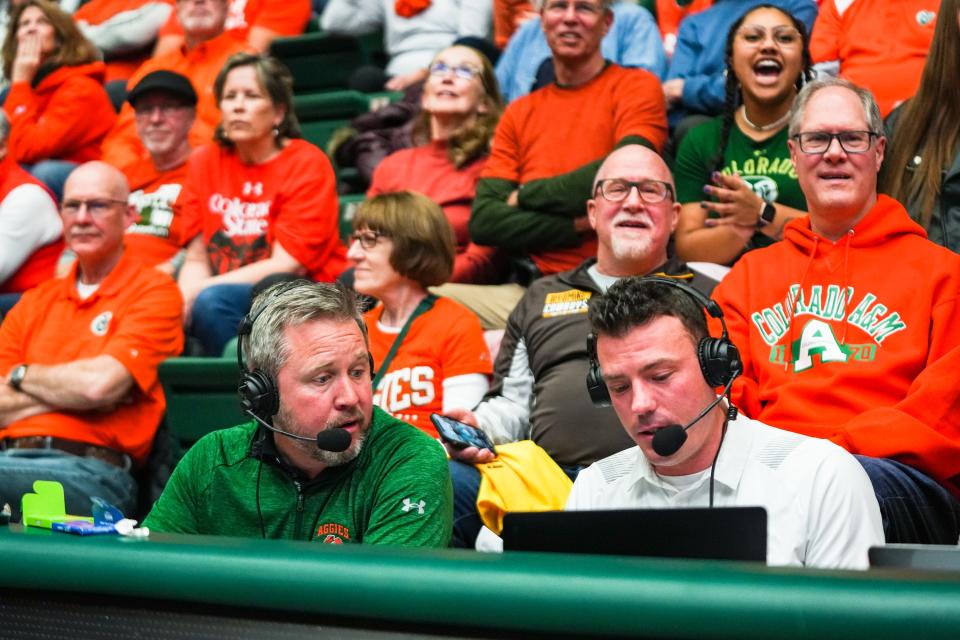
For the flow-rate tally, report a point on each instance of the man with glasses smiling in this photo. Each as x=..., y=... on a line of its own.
x=845, y=326
x=81, y=400
x=538, y=391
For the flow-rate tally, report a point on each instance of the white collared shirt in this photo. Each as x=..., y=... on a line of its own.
x=821, y=508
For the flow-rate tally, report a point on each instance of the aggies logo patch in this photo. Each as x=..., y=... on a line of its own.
x=101, y=324
x=333, y=533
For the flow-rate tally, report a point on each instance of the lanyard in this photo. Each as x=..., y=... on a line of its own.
x=425, y=305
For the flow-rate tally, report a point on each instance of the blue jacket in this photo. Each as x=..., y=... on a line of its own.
x=698, y=57
x=633, y=41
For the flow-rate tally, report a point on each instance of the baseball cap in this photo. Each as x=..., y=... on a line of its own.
x=163, y=80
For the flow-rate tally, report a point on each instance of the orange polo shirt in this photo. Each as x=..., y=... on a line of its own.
x=201, y=64
x=134, y=316
x=881, y=44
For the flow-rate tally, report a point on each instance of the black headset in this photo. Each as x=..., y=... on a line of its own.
x=719, y=358
x=258, y=391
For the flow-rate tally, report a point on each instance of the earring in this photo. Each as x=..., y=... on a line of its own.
x=276, y=131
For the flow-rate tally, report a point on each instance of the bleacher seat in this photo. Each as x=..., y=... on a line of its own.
x=201, y=397
x=322, y=61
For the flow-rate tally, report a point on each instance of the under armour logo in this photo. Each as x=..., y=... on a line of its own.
x=407, y=505
x=253, y=188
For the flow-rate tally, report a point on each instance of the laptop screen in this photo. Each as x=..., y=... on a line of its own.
x=721, y=533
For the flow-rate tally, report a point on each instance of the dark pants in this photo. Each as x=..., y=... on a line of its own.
x=466, y=520
x=914, y=508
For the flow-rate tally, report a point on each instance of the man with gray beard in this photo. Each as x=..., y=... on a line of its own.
x=538, y=390
x=318, y=461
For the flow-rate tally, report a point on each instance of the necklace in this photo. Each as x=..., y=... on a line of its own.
x=764, y=127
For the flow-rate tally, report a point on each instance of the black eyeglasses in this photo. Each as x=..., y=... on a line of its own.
x=96, y=207
x=367, y=239
x=618, y=189
x=820, y=141
x=462, y=71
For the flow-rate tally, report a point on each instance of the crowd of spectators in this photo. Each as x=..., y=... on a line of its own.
x=801, y=156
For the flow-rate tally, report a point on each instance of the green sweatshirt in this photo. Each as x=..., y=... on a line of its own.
x=397, y=491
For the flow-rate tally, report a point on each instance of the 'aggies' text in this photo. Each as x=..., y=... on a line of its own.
x=405, y=388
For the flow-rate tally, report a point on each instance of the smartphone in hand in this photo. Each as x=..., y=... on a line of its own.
x=460, y=435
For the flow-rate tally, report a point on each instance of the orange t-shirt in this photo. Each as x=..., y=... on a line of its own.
x=881, y=44
x=122, y=146
x=134, y=316
x=555, y=130
x=444, y=342
x=242, y=209
x=286, y=17
x=158, y=234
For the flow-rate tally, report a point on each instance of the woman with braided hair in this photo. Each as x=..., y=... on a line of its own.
x=735, y=180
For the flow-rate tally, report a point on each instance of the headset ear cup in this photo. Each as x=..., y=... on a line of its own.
x=596, y=387
x=258, y=394
x=373, y=370
x=719, y=361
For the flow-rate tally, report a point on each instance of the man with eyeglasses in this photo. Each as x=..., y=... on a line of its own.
x=845, y=326
x=633, y=41
x=205, y=49
x=538, y=391
x=547, y=149
x=80, y=400
x=164, y=105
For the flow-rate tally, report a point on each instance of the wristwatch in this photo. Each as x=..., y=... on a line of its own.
x=767, y=213
x=17, y=375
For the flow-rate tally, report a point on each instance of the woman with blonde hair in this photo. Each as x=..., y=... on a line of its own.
x=58, y=109
x=429, y=353
x=461, y=106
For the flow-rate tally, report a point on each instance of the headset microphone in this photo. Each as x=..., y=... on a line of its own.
x=667, y=441
x=334, y=440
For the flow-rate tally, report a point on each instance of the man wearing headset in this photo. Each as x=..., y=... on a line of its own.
x=657, y=365
x=317, y=462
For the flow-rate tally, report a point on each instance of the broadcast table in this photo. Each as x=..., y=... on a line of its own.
x=55, y=585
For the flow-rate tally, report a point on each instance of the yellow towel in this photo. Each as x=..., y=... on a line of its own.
x=522, y=478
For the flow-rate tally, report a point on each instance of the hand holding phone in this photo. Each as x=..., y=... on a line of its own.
x=460, y=435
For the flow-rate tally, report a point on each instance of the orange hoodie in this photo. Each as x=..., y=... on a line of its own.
x=876, y=370
x=65, y=116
